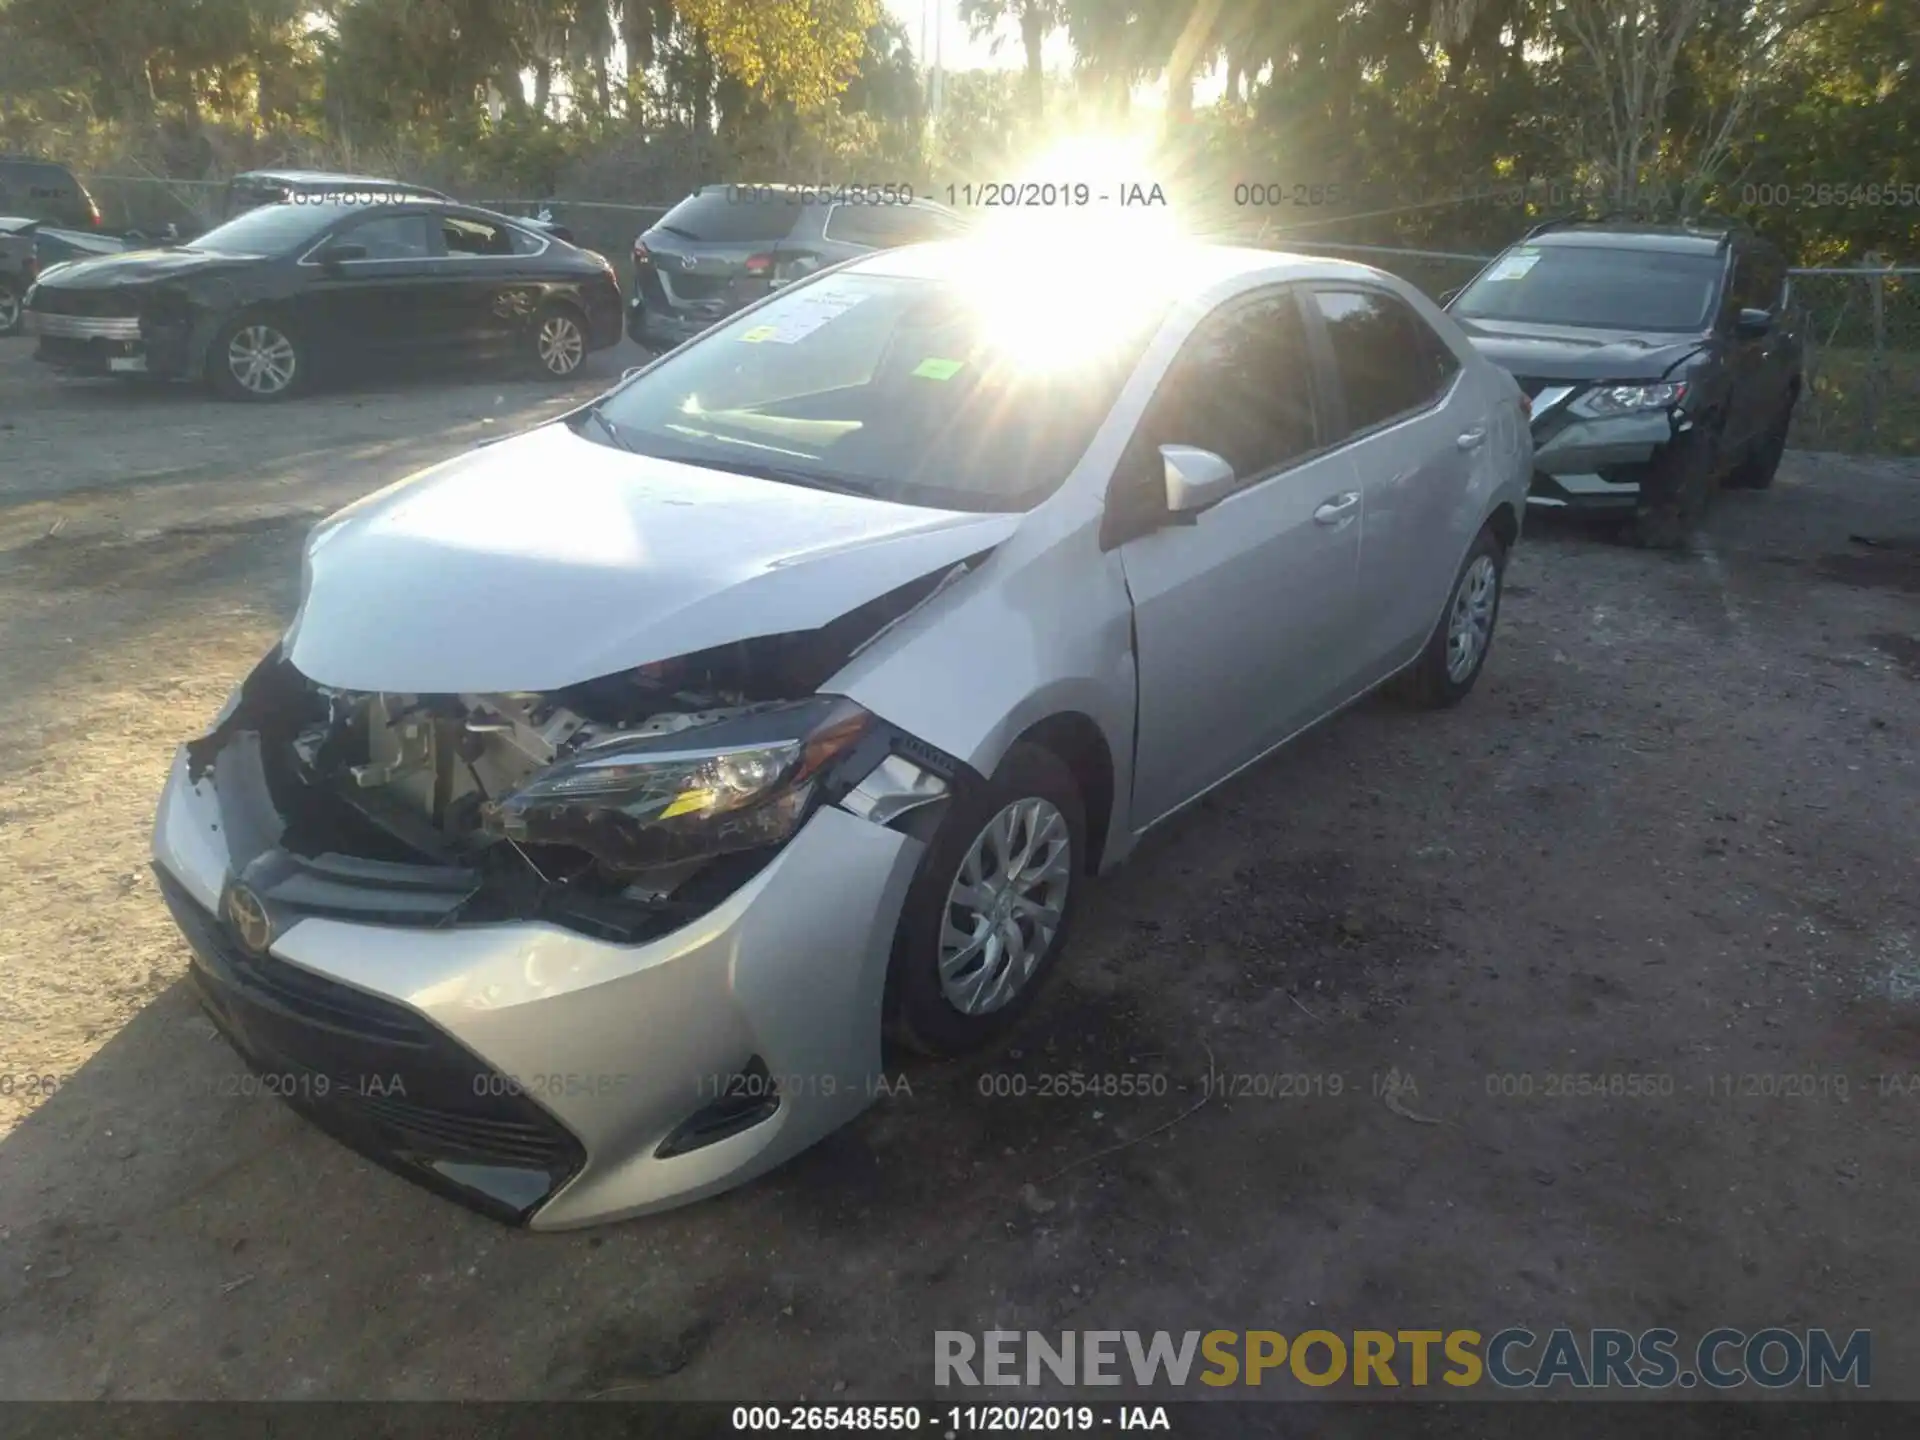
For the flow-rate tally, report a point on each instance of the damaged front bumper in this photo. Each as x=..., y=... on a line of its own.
x=529, y=1069
x=1587, y=462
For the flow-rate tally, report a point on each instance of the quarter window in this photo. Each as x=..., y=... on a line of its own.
x=1242, y=387
x=1390, y=361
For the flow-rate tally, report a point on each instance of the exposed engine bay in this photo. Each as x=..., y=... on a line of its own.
x=622, y=805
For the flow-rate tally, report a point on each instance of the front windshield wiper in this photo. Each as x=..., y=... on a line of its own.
x=607, y=427
x=759, y=470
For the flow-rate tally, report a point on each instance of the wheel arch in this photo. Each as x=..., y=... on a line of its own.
x=1074, y=738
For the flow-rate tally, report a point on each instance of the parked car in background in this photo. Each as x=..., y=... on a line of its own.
x=289, y=292
x=1660, y=361
x=620, y=785
x=18, y=266
x=725, y=246
x=37, y=189
x=265, y=187
x=253, y=188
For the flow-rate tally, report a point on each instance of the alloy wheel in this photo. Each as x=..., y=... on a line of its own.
x=9, y=309
x=261, y=360
x=1005, y=906
x=1470, y=618
x=561, y=345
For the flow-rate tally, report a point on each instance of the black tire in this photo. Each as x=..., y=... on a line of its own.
x=556, y=343
x=284, y=366
x=12, y=314
x=1675, y=489
x=920, y=1016
x=1430, y=682
x=1762, y=462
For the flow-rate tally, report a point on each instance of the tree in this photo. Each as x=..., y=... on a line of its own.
x=1034, y=19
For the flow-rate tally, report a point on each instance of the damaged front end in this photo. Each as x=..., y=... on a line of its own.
x=624, y=807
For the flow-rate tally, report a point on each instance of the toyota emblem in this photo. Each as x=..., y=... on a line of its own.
x=247, y=916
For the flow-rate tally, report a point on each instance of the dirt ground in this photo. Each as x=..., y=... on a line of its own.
x=1673, y=834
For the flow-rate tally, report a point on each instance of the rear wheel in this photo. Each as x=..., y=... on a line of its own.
x=990, y=909
x=1457, y=649
x=257, y=357
x=1756, y=472
x=11, y=311
x=557, y=343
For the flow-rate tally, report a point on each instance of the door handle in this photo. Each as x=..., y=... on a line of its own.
x=1473, y=439
x=1333, y=511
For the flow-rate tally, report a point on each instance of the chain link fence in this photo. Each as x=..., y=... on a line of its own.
x=1862, y=324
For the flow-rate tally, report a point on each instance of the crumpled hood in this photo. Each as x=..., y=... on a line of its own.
x=137, y=267
x=1568, y=352
x=548, y=559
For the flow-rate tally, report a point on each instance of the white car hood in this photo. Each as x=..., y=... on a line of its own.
x=548, y=559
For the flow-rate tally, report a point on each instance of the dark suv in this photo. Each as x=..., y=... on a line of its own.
x=1660, y=361
x=35, y=189
x=725, y=246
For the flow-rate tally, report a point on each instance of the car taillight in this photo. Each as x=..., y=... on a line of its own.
x=1526, y=405
x=759, y=264
x=93, y=212
x=641, y=255
x=29, y=268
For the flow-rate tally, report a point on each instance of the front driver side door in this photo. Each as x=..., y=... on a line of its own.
x=383, y=305
x=1243, y=615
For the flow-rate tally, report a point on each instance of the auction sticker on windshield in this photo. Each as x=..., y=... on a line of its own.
x=801, y=316
x=1514, y=265
x=934, y=368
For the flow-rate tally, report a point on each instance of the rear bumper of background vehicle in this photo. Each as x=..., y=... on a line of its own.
x=663, y=329
x=545, y=1077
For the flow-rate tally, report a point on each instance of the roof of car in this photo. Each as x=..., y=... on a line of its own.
x=1677, y=239
x=329, y=177
x=1200, y=264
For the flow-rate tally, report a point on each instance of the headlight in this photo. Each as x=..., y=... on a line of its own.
x=1609, y=400
x=707, y=790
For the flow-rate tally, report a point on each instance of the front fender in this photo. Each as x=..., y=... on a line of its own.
x=1043, y=628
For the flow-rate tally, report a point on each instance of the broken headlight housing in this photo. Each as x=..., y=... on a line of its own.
x=1605, y=401
x=639, y=801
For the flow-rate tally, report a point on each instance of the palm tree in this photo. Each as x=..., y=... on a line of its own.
x=1036, y=19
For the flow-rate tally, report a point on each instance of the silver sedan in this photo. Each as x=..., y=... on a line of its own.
x=622, y=788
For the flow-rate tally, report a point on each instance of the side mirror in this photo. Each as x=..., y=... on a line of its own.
x=1195, y=478
x=1752, y=324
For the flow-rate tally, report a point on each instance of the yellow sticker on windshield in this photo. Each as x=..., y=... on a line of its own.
x=759, y=333
x=933, y=368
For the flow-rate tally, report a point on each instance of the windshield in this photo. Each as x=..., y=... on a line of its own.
x=1598, y=287
x=278, y=229
x=906, y=389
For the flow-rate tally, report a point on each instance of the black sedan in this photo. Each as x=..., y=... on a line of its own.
x=288, y=293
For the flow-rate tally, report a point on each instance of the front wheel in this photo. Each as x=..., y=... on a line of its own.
x=557, y=343
x=12, y=313
x=988, y=913
x=257, y=357
x=1457, y=649
x=1757, y=470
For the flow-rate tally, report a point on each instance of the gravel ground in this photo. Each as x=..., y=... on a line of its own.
x=1673, y=834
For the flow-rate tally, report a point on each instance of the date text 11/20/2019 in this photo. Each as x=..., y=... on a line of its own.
x=952, y=1421
x=1045, y=193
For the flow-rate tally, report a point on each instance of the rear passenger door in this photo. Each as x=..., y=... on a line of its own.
x=1414, y=426
x=492, y=291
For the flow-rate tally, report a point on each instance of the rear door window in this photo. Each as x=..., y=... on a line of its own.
x=467, y=236
x=1389, y=361
x=733, y=214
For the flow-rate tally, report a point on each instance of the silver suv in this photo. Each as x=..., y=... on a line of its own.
x=725, y=246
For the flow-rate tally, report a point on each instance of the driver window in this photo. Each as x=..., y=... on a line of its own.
x=1241, y=387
